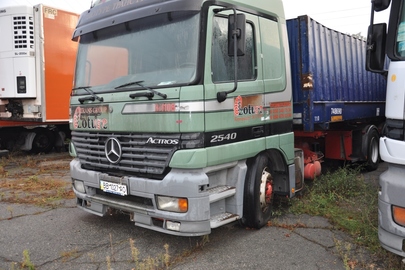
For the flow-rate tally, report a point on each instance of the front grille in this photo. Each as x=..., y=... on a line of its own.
x=138, y=157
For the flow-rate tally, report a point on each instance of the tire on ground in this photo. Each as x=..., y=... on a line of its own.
x=258, y=192
x=373, y=151
x=44, y=140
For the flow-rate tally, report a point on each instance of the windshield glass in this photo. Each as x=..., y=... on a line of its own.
x=159, y=51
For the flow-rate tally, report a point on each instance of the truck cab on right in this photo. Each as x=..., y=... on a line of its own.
x=386, y=48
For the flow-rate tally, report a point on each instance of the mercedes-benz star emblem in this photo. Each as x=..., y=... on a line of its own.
x=113, y=150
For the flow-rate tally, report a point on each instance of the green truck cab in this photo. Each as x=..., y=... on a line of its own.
x=181, y=113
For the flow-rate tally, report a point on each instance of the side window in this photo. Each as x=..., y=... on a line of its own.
x=271, y=50
x=222, y=65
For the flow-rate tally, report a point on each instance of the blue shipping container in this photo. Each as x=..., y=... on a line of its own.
x=330, y=82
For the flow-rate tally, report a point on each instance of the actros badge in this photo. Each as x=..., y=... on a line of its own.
x=113, y=150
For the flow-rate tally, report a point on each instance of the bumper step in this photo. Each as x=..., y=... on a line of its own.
x=221, y=192
x=222, y=219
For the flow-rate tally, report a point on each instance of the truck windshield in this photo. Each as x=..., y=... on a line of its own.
x=400, y=37
x=159, y=51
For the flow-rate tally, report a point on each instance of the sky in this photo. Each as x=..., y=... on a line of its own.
x=347, y=16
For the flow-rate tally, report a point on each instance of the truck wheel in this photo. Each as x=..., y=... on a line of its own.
x=373, y=153
x=44, y=140
x=259, y=193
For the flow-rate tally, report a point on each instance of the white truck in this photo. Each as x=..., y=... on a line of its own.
x=383, y=42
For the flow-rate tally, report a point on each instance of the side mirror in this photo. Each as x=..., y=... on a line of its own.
x=380, y=5
x=236, y=46
x=237, y=30
x=376, y=40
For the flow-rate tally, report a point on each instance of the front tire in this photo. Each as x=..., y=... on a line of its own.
x=259, y=193
x=373, y=151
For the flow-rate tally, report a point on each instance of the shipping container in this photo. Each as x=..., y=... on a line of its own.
x=330, y=82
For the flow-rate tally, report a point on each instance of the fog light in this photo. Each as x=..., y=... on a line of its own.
x=173, y=226
x=79, y=186
x=398, y=214
x=172, y=204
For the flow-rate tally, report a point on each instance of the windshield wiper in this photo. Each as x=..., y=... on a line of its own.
x=128, y=84
x=149, y=95
x=88, y=90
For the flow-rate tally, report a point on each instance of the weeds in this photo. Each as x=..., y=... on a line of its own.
x=69, y=254
x=345, y=199
x=32, y=180
x=149, y=263
x=350, y=204
x=166, y=256
x=34, y=190
x=108, y=260
x=27, y=261
x=19, y=165
x=112, y=248
x=134, y=252
x=10, y=210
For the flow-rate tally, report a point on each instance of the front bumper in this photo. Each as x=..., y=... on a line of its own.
x=390, y=234
x=141, y=203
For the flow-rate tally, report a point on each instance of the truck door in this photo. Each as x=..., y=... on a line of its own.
x=276, y=73
x=273, y=52
x=233, y=119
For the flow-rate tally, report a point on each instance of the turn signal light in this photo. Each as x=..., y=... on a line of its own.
x=398, y=215
x=172, y=204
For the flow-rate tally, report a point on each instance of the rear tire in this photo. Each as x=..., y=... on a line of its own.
x=44, y=140
x=259, y=193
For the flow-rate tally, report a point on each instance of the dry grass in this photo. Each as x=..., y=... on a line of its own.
x=37, y=180
x=33, y=190
x=351, y=205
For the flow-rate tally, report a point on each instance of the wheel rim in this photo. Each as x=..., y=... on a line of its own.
x=373, y=150
x=42, y=142
x=266, y=190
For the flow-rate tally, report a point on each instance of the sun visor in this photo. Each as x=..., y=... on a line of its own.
x=115, y=12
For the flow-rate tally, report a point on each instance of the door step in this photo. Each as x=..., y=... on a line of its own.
x=222, y=219
x=220, y=192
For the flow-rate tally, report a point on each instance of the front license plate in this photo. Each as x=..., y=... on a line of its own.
x=114, y=188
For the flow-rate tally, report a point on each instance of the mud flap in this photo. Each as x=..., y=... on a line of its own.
x=27, y=138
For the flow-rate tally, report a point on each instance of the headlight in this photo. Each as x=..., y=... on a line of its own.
x=172, y=204
x=79, y=186
x=398, y=214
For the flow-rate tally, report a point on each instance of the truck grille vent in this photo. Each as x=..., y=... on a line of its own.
x=23, y=32
x=139, y=157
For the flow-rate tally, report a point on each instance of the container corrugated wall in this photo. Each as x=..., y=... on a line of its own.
x=329, y=79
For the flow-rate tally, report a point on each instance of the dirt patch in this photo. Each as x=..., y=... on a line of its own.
x=41, y=180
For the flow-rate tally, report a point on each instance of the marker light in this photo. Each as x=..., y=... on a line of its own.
x=172, y=204
x=72, y=150
x=398, y=214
